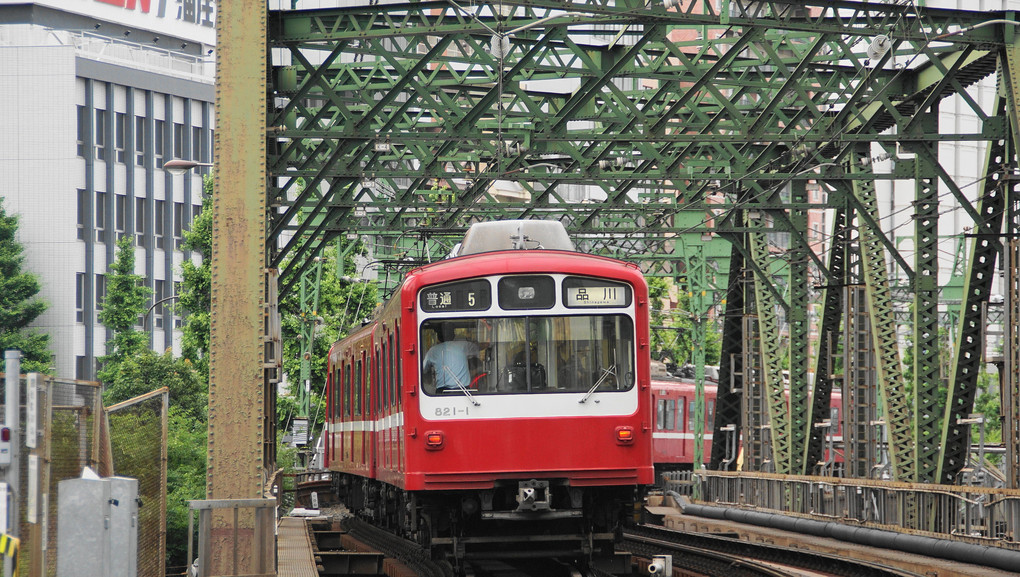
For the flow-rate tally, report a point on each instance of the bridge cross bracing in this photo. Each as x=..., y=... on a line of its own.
x=645, y=128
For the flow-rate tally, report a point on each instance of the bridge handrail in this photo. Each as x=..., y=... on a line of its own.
x=983, y=515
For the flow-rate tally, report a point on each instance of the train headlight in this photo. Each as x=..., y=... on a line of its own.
x=434, y=440
x=625, y=435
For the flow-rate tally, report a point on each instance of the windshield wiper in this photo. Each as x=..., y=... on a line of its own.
x=461, y=386
x=610, y=372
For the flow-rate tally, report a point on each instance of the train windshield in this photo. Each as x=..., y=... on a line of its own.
x=528, y=354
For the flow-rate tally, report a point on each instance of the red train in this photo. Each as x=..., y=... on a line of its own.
x=498, y=403
x=673, y=435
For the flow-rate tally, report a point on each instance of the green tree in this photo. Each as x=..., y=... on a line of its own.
x=186, y=475
x=126, y=299
x=344, y=303
x=671, y=333
x=671, y=329
x=18, y=303
x=148, y=371
x=194, y=294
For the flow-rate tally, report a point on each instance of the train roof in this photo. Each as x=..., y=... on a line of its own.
x=514, y=235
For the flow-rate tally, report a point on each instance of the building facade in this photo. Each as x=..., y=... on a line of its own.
x=98, y=95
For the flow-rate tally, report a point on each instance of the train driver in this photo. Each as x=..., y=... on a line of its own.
x=451, y=361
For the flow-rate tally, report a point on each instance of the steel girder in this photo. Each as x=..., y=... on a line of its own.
x=985, y=247
x=374, y=104
x=401, y=122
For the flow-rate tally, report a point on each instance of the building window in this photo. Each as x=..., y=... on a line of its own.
x=140, y=140
x=100, y=129
x=178, y=224
x=157, y=142
x=79, y=297
x=120, y=136
x=140, y=222
x=100, y=217
x=120, y=214
x=82, y=127
x=83, y=207
x=81, y=367
x=100, y=291
x=196, y=143
x=178, y=140
x=158, y=288
x=157, y=223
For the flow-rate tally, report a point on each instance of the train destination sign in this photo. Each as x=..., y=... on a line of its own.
x=587, y=293
x=475, y=295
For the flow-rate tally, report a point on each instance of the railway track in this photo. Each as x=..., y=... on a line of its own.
x=693, y=555
x=699, y=554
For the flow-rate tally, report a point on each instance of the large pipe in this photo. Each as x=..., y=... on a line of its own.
x=929, y=546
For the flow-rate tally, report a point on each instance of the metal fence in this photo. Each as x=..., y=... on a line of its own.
x=65, y=428
x=981, y=515
x=136, y=441
x=72, y=431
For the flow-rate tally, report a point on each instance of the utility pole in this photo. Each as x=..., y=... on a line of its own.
x=10, y=448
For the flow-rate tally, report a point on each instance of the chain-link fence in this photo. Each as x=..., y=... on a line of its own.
x=63, y=428
x=58, y=426
x=137, y=443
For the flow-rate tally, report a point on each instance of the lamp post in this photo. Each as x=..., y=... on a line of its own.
x=178, y=166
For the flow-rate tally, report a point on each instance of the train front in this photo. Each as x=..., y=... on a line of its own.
x=536, y=441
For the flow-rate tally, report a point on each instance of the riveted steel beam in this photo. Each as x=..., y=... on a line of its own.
x=895, y=400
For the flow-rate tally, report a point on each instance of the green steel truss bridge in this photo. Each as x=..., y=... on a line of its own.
x=683, y=136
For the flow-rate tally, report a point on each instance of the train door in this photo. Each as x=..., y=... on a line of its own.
x=398, y=357
x=359, y=384
x=381, y=408
x=345, y=435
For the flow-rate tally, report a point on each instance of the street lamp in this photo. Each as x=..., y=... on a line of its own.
x=178, y=166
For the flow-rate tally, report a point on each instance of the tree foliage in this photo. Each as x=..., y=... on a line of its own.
x=148, y=371
x=18, y=303
x=127, y=298
x=344, y=304
x=132, y=369
x=195, y=291
x=672, y=328
x=186, y=475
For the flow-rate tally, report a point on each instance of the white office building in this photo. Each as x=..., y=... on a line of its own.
x=96, y=96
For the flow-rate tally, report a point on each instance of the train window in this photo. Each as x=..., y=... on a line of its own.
x=377, y=381
x=594, y=293
x=473, y=295
x=393, y=370
x=526, y=292
x=680, y=415
x=359, y=381
x=709, y=413
x=398, y=355
x=665, y=418
x=369, y=385
x=346, y=390
x=527, y=354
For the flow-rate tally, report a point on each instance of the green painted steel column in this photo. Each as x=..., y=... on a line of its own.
x=236, y=467
x=800, y=410
x=768, y=329
x=970, y=338
x=828, y=339
x=697, y=291
x=927, y=406
x=1011, y=265
x=731, y=371
x=895, y=405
